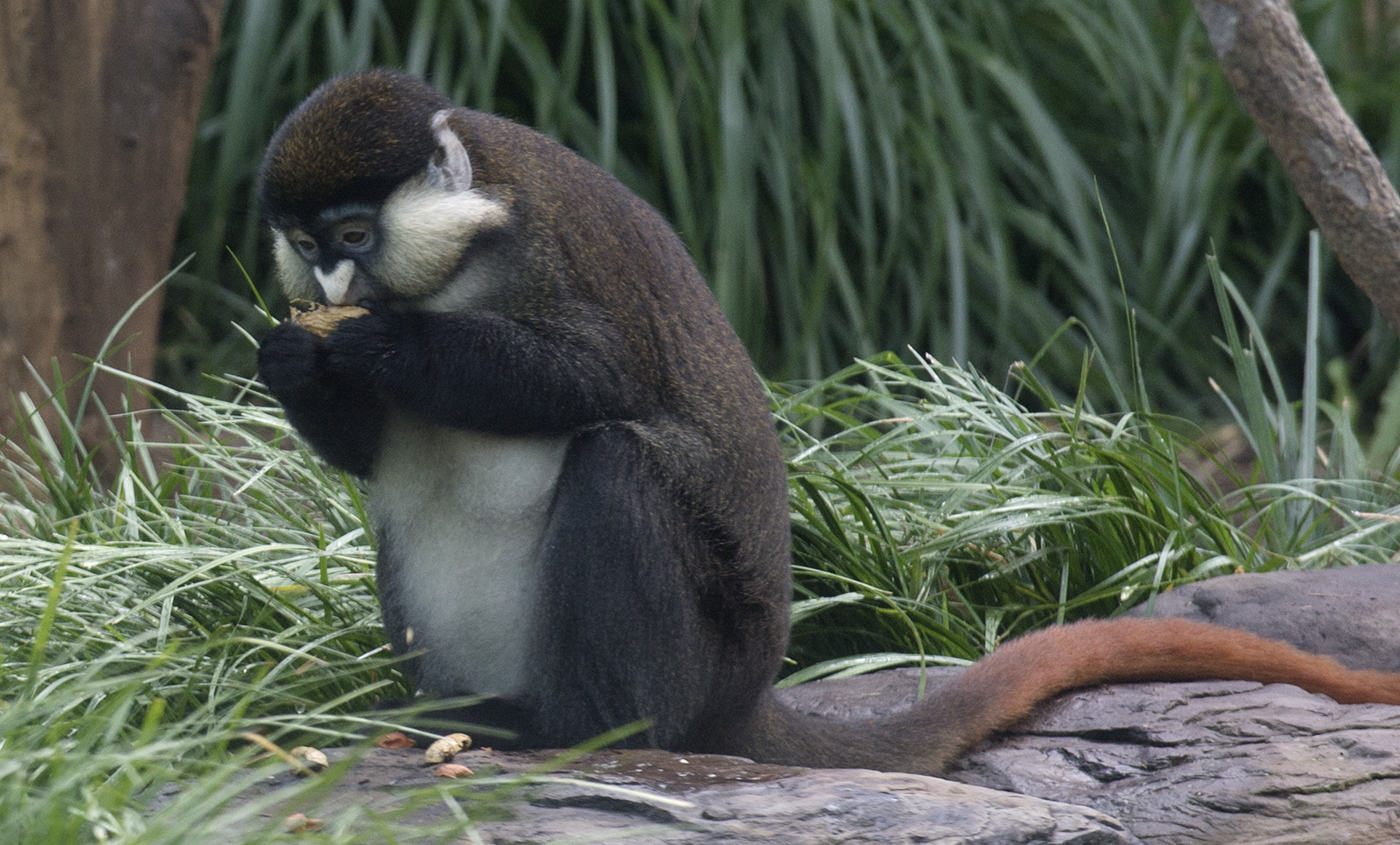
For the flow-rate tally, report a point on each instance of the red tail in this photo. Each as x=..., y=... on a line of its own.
x=1004, y=687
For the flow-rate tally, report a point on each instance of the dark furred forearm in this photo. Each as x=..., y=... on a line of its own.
x=341, y=421
x=483, y=372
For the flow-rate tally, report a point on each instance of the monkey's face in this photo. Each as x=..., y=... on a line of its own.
x=408, y=247
x=369, y=192
x=331, y=256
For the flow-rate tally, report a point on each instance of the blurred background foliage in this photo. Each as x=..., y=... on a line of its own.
x=859, y=176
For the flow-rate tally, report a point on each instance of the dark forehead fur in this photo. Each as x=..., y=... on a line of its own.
x=353, y=140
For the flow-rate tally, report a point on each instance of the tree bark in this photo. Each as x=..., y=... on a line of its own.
x=1280, y=82
x=98, y=105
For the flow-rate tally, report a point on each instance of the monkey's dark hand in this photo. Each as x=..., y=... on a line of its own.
x=339, y=415
x=363, y=348
x=288, y=363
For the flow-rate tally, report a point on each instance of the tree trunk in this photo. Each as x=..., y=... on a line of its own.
x=98, y=105
x=1280, y=82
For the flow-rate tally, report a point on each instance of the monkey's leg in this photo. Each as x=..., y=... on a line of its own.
x=616, y=632
x=621, y=637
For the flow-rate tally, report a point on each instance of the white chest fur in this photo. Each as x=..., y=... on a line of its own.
x=467, y=513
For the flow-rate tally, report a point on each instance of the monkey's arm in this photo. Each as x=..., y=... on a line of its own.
x=342, y=422
x=483, y=371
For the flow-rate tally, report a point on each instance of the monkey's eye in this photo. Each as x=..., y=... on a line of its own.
x=355, y=235
x=305, y=244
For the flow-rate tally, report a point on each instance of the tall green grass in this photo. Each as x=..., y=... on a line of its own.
x=944, y=518
x=851, y=178
x=856, y=177
x=943, y=515
x=219, y=584
x=218, y=580
x=152, y=617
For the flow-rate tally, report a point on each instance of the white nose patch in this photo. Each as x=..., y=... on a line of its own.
x=336, y=282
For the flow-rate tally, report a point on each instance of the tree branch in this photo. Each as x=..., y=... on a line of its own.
x=1280, y=82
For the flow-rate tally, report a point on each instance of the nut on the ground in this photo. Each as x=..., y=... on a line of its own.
x=321, y=320
x=445, y=749
x=451, y=770
x=394, y=739
x=299, y=823
x=308, y=760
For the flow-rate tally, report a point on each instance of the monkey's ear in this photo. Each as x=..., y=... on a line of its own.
x=449, y=167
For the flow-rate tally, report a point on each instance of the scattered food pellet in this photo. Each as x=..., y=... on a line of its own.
x=397, y=739
x=308, y=760
x=451, y=770
x=299, y=823
x=444, y=749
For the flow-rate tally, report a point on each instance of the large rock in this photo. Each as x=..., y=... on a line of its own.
x=652, y=797
x=1221, y=762
x=1214, y=762
x=1351, y=613
x=1228, y=763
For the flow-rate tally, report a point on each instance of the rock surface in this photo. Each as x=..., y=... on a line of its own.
x=1351, y=613
x=1212, y=762
x=1230, y=762
x=1220, y=762
x=656, y=798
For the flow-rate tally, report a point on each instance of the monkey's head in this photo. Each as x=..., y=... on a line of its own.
x=368, y=190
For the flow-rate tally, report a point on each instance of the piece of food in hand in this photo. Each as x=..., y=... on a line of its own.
x=320, y=319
